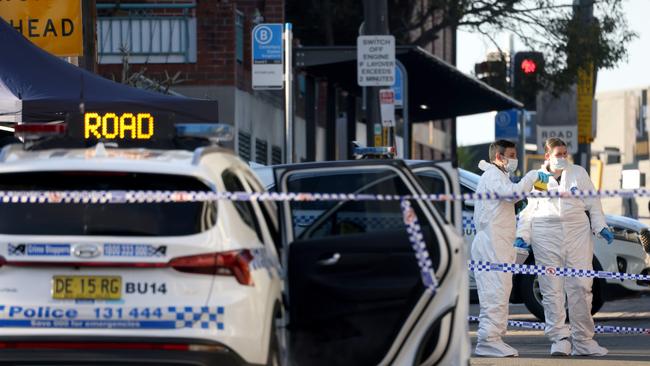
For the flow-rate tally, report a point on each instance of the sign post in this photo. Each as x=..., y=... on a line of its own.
x=268, y=59
x=375, y=68
x=387, y=112
x=272, y=69
x=376, y=60
x=288, y=92
x=401, y=88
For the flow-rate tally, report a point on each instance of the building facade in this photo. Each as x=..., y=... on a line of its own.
x=621, y=143
x=199, y=49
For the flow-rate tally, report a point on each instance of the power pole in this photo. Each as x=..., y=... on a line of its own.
x=583, y=11
x=89, y=16
x=375, y=13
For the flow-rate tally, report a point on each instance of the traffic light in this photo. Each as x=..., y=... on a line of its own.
x=526, y=74
x=494, y=73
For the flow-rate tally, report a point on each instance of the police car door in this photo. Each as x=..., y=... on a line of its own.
x=355, y=293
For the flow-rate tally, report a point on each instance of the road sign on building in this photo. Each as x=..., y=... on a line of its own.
x=52, y=25
x=268, y=58
x=584, y=103
x=376, y=60
x=568, y=134
x=506, y=125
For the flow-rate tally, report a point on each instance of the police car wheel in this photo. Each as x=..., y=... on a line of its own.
x=530, y=293
x=274, y=357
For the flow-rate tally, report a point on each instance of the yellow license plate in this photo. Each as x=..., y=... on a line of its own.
x=87, y=287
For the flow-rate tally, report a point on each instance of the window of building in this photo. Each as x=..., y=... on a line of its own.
x=147, y=33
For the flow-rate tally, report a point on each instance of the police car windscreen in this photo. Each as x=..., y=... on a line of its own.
x=114, y=219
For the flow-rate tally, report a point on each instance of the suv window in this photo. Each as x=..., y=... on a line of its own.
x=468, y=205
x=267, y=208
x=326, y=218
x=433, y=183
x=129, y=219
x=245, y=209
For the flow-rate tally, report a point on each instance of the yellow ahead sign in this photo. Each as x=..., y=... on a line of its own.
x=53, y=25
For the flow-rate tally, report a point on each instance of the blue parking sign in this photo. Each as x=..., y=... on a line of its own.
x=506, y=125
x=268, y=57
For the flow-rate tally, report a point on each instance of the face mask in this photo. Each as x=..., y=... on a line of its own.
x=512, y=164
x=558, y=163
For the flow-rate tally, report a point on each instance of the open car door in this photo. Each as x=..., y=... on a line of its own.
x=355, y=293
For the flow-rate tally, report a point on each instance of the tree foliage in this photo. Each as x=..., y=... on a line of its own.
x=555, y=27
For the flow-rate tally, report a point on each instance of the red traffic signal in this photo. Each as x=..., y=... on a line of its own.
x=528, y=66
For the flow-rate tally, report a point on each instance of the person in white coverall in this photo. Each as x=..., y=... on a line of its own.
x=495, y=233
x=561, y=236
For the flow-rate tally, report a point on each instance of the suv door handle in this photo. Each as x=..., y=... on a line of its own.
x=330, y=261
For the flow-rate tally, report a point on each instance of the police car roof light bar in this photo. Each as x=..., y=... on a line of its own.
x=375, y=151
x=212, y=131
x=31, y=131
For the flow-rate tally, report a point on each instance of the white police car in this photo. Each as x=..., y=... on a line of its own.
x=355, y=294
x=146, y=283
x=630, y=252
x=208, y=283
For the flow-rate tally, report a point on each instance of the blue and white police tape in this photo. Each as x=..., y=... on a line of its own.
x=119, y=196
x=419, y=246
x=532, y=269
x=601, y=329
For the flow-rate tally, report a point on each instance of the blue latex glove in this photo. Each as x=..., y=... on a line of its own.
x=542, y=177
x=607, y=235
x=520, y=243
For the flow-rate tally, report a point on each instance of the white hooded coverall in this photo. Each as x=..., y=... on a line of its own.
x=559, y=231
x=495, y=235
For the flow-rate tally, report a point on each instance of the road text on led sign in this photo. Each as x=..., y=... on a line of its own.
x=125, y=126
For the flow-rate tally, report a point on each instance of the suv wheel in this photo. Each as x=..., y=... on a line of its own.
x=274, y=349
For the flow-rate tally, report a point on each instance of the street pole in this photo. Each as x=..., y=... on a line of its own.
x=584, y=11
x=522, y=114
x=89, y=15
x=406, y=134
x=375, y=13
x=288, y=93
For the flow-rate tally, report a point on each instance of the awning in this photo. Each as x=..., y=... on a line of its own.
x=38, y=86
x=436, y=89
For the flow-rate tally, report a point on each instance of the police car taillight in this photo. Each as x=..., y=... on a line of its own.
x=234, y=263
x=31, y=131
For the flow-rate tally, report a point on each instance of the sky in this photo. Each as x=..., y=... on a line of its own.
x=472, y=48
